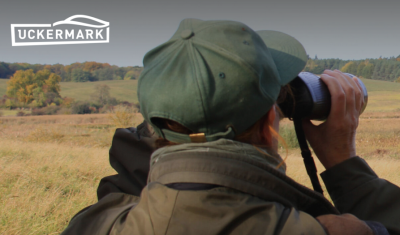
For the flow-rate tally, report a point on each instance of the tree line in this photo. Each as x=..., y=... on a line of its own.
x=386, y=69
x=76, y=72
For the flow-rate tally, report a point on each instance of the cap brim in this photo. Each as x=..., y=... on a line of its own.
x=288, y=54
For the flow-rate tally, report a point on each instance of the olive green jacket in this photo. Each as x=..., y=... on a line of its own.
x=254, y=197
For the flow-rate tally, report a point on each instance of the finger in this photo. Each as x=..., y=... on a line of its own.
x=358, y=94
x=338, y=97
x=361, y=104
x=348, y=89
x=357, y=82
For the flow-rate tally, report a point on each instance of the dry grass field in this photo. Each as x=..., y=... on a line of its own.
x=50, y=166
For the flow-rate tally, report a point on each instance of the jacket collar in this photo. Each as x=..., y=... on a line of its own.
x=226, y=146
x=238, y=166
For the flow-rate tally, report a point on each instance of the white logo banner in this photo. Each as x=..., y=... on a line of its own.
x=68, y=31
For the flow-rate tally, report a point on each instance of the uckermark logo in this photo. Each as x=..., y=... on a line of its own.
x=61, y=32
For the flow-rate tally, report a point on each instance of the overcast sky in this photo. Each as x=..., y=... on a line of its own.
x=329, y=29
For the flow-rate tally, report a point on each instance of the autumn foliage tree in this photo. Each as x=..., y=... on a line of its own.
x=27, y=86
x=350, y=67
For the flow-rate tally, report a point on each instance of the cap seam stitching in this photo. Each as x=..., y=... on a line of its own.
x=159, y=60
x=194, y=72
x=237, y=59
x=226, y=53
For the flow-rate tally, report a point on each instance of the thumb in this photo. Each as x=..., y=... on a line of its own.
x=308, y=126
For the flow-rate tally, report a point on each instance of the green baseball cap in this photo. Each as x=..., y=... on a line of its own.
x=217, y=78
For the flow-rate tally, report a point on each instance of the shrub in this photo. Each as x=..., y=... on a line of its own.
x=64, y=111
x=49, y=110
x=122, y=116
x=20, y=114
x=106, y=109
x=35, y=104
x=84, y=107
x=38, y=111
x=67, y=102
x=80, y=107
x=10, y=104
x=112, y=101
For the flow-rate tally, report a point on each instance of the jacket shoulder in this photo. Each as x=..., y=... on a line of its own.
x=100, y=217
x=163, y=210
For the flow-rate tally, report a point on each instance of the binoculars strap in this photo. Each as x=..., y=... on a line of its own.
x=306, y=154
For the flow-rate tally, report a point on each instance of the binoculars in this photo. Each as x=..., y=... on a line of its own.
x=310, y=98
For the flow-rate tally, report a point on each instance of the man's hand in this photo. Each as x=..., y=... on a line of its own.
x=344, y=224
x=334, y=140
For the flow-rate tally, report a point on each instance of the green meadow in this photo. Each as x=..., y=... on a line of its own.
x=120, y=89
x=382, y=96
